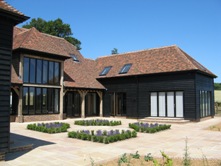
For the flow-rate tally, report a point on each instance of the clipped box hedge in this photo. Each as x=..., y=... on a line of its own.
x=100, y=136
x=148, y=127
x=97, y=122
x=50, y=128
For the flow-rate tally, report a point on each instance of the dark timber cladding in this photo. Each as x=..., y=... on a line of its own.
x=138, y=89
x=8, y=18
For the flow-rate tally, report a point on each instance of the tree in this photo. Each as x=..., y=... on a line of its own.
x=114, y=51
x=56, y=28
x=217, y=86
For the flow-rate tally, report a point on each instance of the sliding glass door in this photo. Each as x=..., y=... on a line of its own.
x=166, y=104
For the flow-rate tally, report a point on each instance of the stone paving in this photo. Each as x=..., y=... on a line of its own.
x=58, y=149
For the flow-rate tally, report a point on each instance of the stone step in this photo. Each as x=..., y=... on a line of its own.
x=17, y=146
x=20, y=148
x=164, y=120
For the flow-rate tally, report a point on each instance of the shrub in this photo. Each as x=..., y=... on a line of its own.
x=148, y=128
x=50, y=128
x=100, y=136
x=97, y=122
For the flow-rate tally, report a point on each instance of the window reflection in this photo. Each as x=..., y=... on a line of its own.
x=39, y=71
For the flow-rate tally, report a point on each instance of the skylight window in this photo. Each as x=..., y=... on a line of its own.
x=125, y=69
x=74, y=57
x=105, y=71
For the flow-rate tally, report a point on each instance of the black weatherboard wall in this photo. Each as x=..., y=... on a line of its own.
x=7, y=20
x=138, y=89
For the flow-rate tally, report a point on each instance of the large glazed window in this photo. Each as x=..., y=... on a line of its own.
x=166, y=104
x=38, y=100
x=38, y=71
x=205, y=103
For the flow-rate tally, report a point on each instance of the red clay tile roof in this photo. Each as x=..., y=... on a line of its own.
x=7, y=7
x=152, y=61
x=81, y=74
x=17, y=16
x=76, y=74
x=14, y=76
x=32, y=39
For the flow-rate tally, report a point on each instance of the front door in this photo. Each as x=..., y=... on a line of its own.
x=73, y=107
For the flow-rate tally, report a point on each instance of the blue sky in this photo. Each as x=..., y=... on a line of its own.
x=130, y=25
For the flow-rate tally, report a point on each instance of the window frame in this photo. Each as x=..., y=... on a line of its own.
x=105, y=71
x=74, y=58
x=44, y=109
x=44, y=71
x=125, y=69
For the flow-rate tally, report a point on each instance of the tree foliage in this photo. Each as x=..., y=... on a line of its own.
x=217, y=86
x=55, y=28
x=114, y=51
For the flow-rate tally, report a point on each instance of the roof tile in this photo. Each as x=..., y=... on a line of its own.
x=152, y=61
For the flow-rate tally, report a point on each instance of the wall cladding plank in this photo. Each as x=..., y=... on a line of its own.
x=5, y=84
x=138, y=92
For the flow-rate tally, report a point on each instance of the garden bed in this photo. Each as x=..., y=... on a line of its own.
x=97, y=122
x=100, y=136
x=50, y=128
x=148, y=127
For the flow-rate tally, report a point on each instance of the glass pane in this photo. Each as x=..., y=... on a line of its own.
x=153, y=104
x=39, y=71
x=31, y=100
x=44, y=101
x=51, y=72
x=38, y=100
x=32, y=70
x=25, y=101
x=179, y=104
x=170, y=104
x=125, y=68
x=209, y=104
x=45, y=72
x=56, y=72
x=162, y=104
x=56, y=100
x=105, y=71
x=26, y=70
x=50, y=101
x=77, y=104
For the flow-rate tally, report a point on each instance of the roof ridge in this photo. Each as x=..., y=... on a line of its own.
x=26, y=36
x=149, y=49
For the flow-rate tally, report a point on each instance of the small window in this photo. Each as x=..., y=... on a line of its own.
x=74, y=57
x=125, y=69
x=105, y=71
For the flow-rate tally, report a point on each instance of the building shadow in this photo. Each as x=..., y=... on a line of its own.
x=23, y=145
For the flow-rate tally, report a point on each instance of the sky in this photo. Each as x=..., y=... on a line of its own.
x=132, y=25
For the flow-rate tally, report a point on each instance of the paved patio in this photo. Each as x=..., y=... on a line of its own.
x=58, y=149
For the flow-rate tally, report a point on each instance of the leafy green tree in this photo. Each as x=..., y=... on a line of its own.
x=217, y=86
x=114, y=51
x=56, y=28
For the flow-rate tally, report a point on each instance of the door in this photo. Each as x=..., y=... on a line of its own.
x=73, y=107
x=179, y=104
x=118, y=104
x=170, y=104
x=167, y=104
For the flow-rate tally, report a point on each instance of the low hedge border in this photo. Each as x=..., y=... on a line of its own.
x=97, y=122
x=50, y=128
x=148, y=127
x=105, y=137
